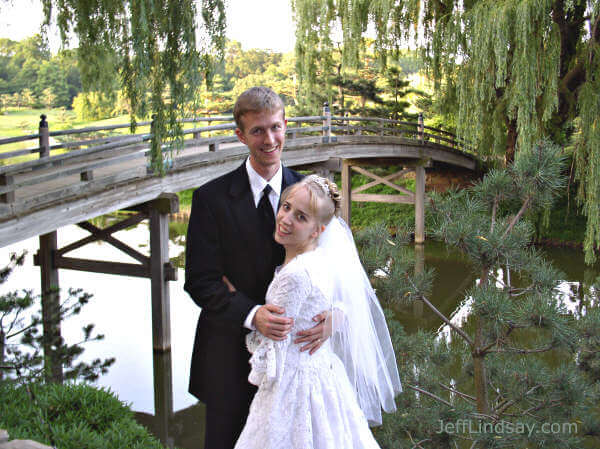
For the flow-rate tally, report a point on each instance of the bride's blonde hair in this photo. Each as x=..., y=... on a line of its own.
x=324, y=196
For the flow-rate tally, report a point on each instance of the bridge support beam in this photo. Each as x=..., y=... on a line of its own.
x=404, y=196
x=157, y=267
x=163, y=396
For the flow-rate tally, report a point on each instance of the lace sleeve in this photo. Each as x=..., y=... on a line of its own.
x=288, y=290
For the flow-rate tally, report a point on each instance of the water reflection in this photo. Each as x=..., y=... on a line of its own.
x=155, y=384
x=572, y=296
x=184, y=428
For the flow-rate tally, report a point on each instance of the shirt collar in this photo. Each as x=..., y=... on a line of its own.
x=258, y=183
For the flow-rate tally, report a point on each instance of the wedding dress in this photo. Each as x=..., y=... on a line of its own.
x=303, y=401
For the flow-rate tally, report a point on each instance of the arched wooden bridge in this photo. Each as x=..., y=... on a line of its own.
x=104, y=173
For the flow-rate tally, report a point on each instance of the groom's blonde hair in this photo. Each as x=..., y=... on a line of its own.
x=257, y=99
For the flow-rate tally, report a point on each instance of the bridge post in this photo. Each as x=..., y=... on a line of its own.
x=44, y=137
x=421, y=127
x=417, y=307
x=7, y=180
x=420, y=203
x=49, y=282
x=347, y=124
x=159, y=261
x=326, y=123
x=163, y=395
x=50, y=306
x=346, y=191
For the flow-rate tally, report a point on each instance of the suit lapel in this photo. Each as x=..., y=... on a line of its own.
x=244, y=210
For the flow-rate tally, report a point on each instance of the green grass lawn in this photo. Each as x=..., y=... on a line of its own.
x=19, y=122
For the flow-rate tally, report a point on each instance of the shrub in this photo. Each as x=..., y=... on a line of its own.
x=71, y=416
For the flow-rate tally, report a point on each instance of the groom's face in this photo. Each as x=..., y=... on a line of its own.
x=264, y=134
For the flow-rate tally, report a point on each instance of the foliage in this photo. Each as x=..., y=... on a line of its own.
x=152, y=45
x=21, y=342
x=93, y=106
x=518, y=359
x=357, y=88
x=71, y=416
x=511, y=71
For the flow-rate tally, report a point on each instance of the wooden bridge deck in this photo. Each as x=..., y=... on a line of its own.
x=41, y=196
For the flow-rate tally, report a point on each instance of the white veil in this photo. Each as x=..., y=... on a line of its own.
x=360, y=335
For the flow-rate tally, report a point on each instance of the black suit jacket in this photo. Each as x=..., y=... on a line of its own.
x=224, y=238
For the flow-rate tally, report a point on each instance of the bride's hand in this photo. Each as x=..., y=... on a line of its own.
x=316, y=335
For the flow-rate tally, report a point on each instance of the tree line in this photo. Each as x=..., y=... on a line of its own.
x=31, y=77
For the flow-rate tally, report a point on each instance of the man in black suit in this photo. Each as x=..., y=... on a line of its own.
x=230, y=243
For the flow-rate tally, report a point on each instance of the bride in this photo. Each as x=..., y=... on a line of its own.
x=324, y=400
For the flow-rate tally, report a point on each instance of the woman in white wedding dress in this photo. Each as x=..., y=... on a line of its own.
x=323, y=400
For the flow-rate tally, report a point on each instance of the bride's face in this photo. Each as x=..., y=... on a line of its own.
x=296, y=225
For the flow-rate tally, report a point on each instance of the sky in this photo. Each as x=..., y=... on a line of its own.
x=265, y=24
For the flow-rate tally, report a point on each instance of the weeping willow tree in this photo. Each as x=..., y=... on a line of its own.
x=512, y=70
x=154, y=48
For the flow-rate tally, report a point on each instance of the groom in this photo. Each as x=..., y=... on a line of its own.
x=230, y=243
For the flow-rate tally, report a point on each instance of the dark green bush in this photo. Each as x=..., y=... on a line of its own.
x=71, y=416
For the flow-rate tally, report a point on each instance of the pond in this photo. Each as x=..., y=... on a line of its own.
x=156, y=384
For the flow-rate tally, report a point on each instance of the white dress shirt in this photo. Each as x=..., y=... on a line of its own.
x=257, y=185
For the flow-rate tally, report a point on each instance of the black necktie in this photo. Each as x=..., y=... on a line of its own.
x=265, y=211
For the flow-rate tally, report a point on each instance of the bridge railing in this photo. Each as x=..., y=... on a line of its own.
x=83, y=157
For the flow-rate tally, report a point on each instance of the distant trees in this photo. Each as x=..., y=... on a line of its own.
x=30, y=77
x=34, y=78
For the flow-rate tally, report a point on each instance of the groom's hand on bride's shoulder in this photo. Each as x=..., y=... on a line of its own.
x=269, y=321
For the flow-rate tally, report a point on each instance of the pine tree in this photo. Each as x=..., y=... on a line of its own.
x=21, y=342
x=520, y=360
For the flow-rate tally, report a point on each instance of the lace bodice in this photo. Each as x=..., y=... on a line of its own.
x=293, y=289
